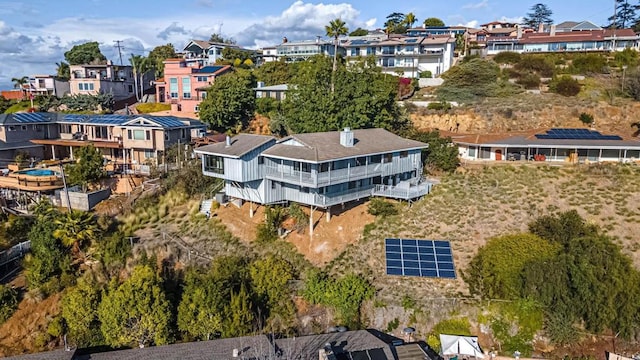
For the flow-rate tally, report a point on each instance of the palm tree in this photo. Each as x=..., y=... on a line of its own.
x=62, y=70
x=135, y=61
x=18, y=82
x=76, y=228
x=410, y=19
x=335, y=29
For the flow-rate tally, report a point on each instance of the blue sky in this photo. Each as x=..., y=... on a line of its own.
x=34, y=34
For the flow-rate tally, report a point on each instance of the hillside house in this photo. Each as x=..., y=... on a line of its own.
x=94, y=79
x=319, y=170
x=185, y=83
x=551, y=145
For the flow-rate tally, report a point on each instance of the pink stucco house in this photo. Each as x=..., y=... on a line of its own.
x=185, y=83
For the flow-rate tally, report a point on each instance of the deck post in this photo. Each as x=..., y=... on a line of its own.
x=311, y=222
x=328, y=213
x=251, y=209
x=53, y=151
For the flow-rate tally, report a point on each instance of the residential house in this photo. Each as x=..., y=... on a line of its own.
x=293, y=51
x=131, y=140
x=185, y=83
x=278, y=92
x=577, y=40
x=16, y=94
x=269, y=54
x=569, y=26
x=552, y=145
x=320, y=170
x=106, y=78
x=406, y=55
x=48, y=85
x=359, y=344
x=19, y=129
x=205, y=52
x=437, y=30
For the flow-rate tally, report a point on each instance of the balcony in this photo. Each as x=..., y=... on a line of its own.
x=325, y=200
x=405, y=190
x=313, y=179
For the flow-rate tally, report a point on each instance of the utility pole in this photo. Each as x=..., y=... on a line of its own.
x=615, y=24
x=120, y=48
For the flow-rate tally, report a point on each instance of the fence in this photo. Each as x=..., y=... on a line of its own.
x=15, y=252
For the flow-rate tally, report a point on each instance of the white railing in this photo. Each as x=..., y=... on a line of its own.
x=342, y=197
x=325, y=177
x=405, y=193
x=15, y=252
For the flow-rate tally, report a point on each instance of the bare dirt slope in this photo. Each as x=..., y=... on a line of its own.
x=329, y=238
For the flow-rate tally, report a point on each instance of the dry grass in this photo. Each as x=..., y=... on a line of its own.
x=472, y=206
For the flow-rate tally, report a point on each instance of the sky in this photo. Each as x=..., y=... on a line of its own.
x=35, y=34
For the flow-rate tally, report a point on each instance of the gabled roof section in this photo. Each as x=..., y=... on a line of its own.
x=212, y=69
x=241, y=144
x=166, y=122
x=325, y=146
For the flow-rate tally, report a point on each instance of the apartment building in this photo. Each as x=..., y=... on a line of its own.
x=293, y=51
x=405, y=55
x=185, y=83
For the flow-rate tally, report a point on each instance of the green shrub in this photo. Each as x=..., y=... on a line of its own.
x=441, y=105
x=266, y=105
x=453, y=326
x=586, y=118
x=393, y=324
x=8, y=302
x=17, y=107
x=565, y=85
x=507, y=57
x=426, y=74
x=301, y=218
x=152, y=107
x=380, y=207
x=589, y=63
x=536, y=63
x=529, y=80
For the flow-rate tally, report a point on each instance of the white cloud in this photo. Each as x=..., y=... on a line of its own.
x=26, y=50
x=478, y=5
x=514, y=19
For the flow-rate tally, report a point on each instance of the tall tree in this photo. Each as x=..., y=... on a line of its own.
x=141, y=65
x=19, y=82
x=538, y=14
x=395, y=23
x=159, y=54
x=87, y=53
x=218, y=38
x=433, y=21
x=201, y=308
x=275, y=72
x=230, y=101
x=136, y=312
x=80, y=312
x=625, y=15
x=241, y=318
x=335, y=29
x=62, y=71
x=410, y=19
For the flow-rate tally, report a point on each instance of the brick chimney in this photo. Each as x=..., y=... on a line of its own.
x=541, y=28
x=552, y=31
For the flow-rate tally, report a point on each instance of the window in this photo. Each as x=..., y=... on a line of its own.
x=214, y=164
x=324, y=167
x=166, y=136
x=130, y=88
x=23, y=127
x=137, y=134
x=361, y=161
x=149, y=154
x=273, y=185
x=101, y=132
x=148, y=133
x=306, y=167
x=186, y=87
x=202, y=78
x=183, y=133
x=376, y=159
x=352, y=185
x=65, y=128
x=404, y=154
x=11, y=128
x=304, y=189
x=173, y=87
x=85, y=86
x=388, y=158
x=203, y=95
x=196, y=108
x=472, y=151
x=260, y=160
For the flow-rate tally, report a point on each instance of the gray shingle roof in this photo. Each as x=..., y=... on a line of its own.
x=325, y=146
x=345, y=345
x=240, y=145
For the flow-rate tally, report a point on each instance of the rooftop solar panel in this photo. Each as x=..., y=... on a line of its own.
x=30, y=117
x=166, y=121
x=423, y=258
x=575, y=134
x=358, y=42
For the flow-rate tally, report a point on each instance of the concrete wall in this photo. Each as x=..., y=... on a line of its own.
x=82, y=201
x=430, y=82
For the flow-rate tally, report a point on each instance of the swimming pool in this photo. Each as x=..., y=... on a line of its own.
x=37, y=172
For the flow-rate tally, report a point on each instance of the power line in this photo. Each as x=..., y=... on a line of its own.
x=120, y=48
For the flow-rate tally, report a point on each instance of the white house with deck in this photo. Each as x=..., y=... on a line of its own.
x=319, y=170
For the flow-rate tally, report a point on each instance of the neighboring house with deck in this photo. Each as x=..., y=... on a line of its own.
x=48, y=85
x=18, y=130
x=552, y=145
x=319, y=170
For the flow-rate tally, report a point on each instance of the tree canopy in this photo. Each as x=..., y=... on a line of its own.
x=87, y=53
x=395, y=23
x=230, y=101
x=136, y=313
x=359, y=32
x=440, y=155
x=363, y=97
x=275, y=72
x=80, y=312
x=218, y=38
x=470, y=80
x=538, y=14
x=433, y=21
x=88, y=167
x=625, y=16
x=159, y=54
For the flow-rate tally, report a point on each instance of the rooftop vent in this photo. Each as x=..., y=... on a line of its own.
x=228, y=141
x=346, y=137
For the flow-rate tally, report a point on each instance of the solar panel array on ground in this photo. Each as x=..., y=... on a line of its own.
x=425, y=258
x=575, y=134
x=30, y=118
